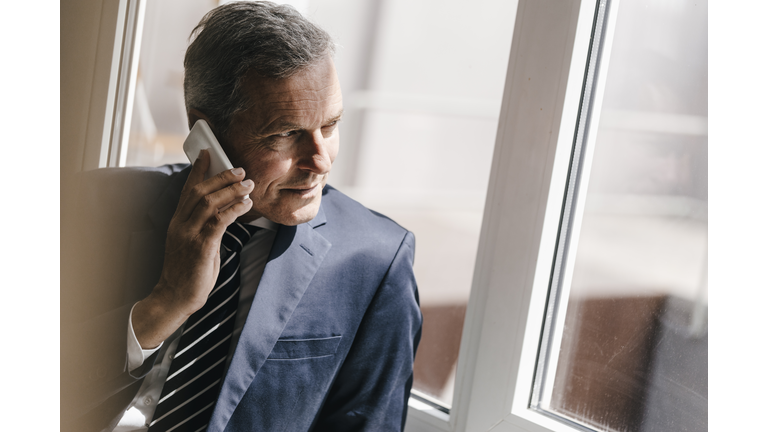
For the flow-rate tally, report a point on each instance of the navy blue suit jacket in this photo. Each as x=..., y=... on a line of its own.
x=330, y=339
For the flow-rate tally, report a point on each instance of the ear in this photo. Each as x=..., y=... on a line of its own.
x=193, y=115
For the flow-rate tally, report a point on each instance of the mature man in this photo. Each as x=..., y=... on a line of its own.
x=293, y=309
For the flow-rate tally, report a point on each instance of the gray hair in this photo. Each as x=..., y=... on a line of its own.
x=274, y=41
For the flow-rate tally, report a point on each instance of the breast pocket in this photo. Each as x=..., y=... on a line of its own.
x=297, y=349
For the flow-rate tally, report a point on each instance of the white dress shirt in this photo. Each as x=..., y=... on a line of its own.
x=253, y=259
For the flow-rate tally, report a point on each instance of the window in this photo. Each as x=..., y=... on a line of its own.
x=625, y=346
x=598, y=190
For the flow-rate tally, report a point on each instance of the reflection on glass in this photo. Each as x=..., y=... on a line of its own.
x=421, y=104
x=633, y=347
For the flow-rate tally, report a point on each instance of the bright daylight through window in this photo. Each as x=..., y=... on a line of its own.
x=626, y=336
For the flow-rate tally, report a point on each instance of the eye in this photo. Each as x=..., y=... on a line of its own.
x=287, y=134
x=331, y=124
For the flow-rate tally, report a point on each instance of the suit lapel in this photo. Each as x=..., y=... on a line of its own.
x=295, y=258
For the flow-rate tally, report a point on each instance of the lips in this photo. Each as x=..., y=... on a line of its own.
x=303, y=190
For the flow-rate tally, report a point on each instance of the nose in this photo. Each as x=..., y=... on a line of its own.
x=314, y=155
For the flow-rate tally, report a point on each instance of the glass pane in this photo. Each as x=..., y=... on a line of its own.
x=633, y=317
x=421, y=104
x=417, y=142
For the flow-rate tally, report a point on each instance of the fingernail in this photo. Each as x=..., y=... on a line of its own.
x=247, y=182
x=237, y=171
x=200, y=154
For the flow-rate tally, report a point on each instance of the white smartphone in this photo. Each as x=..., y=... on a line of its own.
x=201, y=137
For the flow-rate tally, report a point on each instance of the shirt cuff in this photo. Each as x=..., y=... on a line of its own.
x=136, y=355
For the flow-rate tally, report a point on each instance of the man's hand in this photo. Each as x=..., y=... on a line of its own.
x=192, y=259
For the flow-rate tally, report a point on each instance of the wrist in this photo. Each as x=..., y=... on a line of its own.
x=175, y=299
x=155, y=318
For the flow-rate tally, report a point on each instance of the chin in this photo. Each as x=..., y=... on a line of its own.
x=298, y=216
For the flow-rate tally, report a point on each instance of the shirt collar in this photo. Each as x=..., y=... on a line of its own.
x=265, y=223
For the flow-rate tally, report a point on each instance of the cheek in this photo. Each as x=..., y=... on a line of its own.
x=269, y=173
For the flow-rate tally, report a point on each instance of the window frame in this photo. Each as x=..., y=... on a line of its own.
x=112, y=91
x=528, y=183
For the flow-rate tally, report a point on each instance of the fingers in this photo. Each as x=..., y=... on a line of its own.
x=219, y=201
x=207, y=207
x=195, y=190
x=197, y=175
x=219, y=222
x=199, y=168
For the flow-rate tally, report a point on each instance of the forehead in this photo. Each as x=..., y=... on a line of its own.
x=307, y=99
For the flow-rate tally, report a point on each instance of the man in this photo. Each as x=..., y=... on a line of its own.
x=326, y=323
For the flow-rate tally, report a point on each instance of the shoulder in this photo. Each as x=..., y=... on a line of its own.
x=353, y=217
x=353, y=228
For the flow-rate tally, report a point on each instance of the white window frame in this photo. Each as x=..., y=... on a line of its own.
x=537, y=124
x=112, y=92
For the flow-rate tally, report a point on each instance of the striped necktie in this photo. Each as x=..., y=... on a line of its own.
x=194, y=379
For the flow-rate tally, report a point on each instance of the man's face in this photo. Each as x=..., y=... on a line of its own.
x=288, y=141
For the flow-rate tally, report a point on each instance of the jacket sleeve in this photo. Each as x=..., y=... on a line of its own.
x=371, y=391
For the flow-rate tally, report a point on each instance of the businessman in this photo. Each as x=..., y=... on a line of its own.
x=260, y=298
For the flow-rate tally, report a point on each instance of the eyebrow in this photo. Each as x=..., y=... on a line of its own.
x=282, y=126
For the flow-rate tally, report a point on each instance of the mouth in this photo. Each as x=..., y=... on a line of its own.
x=304, y=192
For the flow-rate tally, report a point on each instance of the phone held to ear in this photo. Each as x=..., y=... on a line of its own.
x=200, y=138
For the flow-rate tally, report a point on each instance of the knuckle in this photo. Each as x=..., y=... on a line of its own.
x=224, y=175
x=220, y=220
x=197, y=190
x=235, y=187
x=207, y=201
